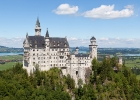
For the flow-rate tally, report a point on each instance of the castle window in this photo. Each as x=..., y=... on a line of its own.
x=76, y=72
x=44, y=61
x=38, y=58
x=51, y=64
x=34, y=58
x=33, y=54
x=33, y=49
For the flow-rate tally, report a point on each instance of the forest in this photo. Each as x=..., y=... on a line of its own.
x=103, y=84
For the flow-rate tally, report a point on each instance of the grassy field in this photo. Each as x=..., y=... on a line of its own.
x=11, y=57
x=132, y=63
x=8, y=65
x=138, y=77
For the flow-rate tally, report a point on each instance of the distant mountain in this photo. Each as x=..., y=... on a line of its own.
x=4, y=49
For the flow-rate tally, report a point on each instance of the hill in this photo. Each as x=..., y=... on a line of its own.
x=4, y=49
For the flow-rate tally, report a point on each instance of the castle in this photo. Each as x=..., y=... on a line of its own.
x=48, y=52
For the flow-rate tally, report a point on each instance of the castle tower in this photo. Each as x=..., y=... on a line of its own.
x=76, y=50
x=93, y=48
x=37, y=28
x=47, y=38
x=120, y=60
x=26, y=42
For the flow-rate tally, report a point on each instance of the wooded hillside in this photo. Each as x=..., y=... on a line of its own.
x=103, y=84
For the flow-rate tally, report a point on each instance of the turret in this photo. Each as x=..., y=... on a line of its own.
x=93, y=48
x=120, y=60
x=76, y=50
x=47, y=38
x=26, y=42
x=93, y=41
x=37, y=28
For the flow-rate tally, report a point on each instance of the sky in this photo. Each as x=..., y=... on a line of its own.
x=114, y=23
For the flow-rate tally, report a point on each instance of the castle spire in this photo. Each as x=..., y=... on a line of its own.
x=37, y=28
x=27, y=35
x=47, y=33
x=37, y=22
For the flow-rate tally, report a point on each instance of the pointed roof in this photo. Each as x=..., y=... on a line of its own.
x=47, y=33
x=77, y=48
x=37, y=22
x=93, y=38
x=27, y=35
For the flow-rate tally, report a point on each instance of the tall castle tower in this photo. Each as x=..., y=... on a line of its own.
x=93, y=48
x=47, y=39
x=37, y=28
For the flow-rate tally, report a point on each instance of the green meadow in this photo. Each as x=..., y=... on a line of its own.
x=132, y=63
x=8, y=65
x=11, y=57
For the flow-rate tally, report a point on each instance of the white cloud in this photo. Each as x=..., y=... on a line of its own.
x=66, y=9
x=129, y=7
x=12, y=42
x=103, y=39
x=73, y=42
x=107, y=42
x=72, y=38
x=108, y=12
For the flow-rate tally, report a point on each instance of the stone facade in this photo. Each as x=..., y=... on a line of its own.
x=47, y=52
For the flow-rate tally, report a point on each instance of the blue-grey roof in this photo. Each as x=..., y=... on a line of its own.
x=56, y=42
x=37, y=40
x=82, y=55
x=93, y=38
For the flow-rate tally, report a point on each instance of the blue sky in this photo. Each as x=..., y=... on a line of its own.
x=114, y=23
